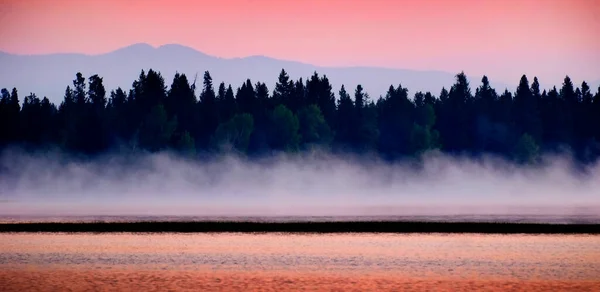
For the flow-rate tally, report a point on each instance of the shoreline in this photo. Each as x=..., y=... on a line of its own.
x=300, y=227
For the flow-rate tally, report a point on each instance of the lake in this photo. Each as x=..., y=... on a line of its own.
x=285, y=261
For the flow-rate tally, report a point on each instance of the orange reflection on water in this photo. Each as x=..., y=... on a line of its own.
x=272, y=262
x=91, y=280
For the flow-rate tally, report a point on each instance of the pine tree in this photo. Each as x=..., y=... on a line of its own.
x=284, y=135
x=157, y=130
x=526, y=111
x=486, y=100
x=181, y=102
x=396, y=119
x=9, y=117
x=345, y=123
x=234, y=135
x=314, y=130
x=208, y=112
x=284, y=91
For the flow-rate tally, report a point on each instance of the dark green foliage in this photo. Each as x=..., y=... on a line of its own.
x=319, y=92
x=156, y=130
x=226, y=102
x=185, y=144
x=423, y=137
x=365, y=116
x=284, y=134
x=284, y=91
x=314, y=130
x=300, y=114
x=298, y=98
x=526, y=151
x=235, y=133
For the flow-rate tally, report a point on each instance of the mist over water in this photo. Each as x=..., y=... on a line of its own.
x=306, y=184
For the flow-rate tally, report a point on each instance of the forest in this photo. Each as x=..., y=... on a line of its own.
x=300, y=115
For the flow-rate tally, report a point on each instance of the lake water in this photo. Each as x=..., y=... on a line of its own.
x=276, y=262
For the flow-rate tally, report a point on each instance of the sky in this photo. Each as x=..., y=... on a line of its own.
x=501, y=38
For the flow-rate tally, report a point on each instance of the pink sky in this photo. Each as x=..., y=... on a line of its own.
x=501, y=38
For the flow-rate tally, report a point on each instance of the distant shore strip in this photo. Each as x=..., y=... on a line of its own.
x=302, y=227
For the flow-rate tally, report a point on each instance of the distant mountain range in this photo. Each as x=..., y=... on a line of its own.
x=48, y=75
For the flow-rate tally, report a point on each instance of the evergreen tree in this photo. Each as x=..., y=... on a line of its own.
x=319, y=92
x=298, y=98
x=568, y=103
x=419, y=99
x=365, y=116
x=181, y=102
x=284, y=91
x=314, y=130
x=345, y=123
x=396, y=118
x=74, y=117
x=246, y=98
x=157, y=130
x=186, y=145
x=429, y=99
x=486, y=101
x=79, y=91
x=97, y=134
x=526, y=112
x=326, y=99
x=596, y=116
x=457, y=121
x=228, y=107
x=117, y=112
x=152, y=92
x=9, y=117
x=526, y=151
x=48, y=122
x=208, y=111
x=262, y=126
x=235, y=133
x=285, y=136
x=302, y=114
x=31, y=132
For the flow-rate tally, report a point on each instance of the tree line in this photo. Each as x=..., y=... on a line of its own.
x=304, y=114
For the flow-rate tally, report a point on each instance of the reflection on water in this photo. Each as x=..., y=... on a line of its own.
x=298, y=261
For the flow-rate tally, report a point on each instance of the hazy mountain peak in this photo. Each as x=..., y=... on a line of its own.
x=134, y=47
x=48, y=75
x=177, y=49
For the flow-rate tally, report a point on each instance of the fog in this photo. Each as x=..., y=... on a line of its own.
x=311, y=183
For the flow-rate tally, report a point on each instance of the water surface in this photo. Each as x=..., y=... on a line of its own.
x=275, y=262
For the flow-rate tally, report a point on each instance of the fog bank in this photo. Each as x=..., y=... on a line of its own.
x=312, y=183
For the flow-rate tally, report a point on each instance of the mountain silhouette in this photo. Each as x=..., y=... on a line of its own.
x=48, y=75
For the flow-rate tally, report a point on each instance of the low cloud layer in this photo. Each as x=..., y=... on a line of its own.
x=312, y=183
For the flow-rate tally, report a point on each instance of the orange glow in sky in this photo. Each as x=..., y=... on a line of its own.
x=504, y=38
